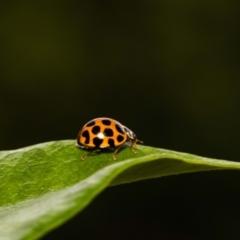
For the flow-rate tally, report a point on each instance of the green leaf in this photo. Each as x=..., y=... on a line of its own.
x=44, y=185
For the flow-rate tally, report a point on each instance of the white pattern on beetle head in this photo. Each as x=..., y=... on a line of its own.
x=100, y=135
x=130, y=133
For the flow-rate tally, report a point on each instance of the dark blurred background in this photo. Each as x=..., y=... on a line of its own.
x=168, y=70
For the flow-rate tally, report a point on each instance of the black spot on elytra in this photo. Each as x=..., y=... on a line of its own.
x=91, y=123
x=95, y=129
x=97, y=142
x=111, y=142
x=119, y=129
x=120, y=138
x=86, y=135
x=106, y=122
x=108, y=132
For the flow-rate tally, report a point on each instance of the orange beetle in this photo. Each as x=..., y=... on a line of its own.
x=104, y=132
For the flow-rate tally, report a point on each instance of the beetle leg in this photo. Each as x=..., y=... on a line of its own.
x=115, y=153
x=89, y=153
x=134, y=145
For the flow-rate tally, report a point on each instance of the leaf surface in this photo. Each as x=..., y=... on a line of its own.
x=44, y=185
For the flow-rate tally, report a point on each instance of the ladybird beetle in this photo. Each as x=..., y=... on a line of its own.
x=105, y=132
